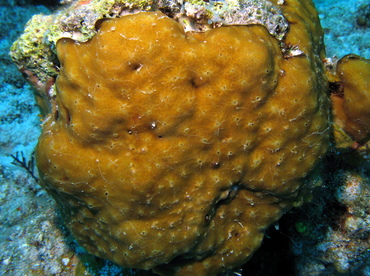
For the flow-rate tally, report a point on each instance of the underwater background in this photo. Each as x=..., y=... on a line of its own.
x=33, y=240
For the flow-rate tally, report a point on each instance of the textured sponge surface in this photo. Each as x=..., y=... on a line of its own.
x=167, y=146
x=354, y=73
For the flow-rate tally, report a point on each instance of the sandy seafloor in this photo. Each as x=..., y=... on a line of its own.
x=33, y=240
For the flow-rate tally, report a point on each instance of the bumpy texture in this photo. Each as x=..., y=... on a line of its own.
x=33, y=50
x=175, y=151
x=351, y=107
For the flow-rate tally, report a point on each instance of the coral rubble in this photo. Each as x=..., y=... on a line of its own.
x=331, y=234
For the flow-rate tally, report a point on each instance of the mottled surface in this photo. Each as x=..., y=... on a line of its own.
x=163, y=145
x=333, y=236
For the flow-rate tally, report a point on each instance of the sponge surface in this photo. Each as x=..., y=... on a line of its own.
x=180, y=148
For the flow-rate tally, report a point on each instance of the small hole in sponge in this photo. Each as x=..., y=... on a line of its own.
x=56, y=115
x=215, y=164
x=68, y=119
x=99, y=23
x=135, y=66
x=196, y=82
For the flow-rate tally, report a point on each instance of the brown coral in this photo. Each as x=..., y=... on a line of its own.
x=175, y=151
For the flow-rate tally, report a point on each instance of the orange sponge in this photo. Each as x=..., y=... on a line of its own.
x=351, y=109
x=174, y=151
